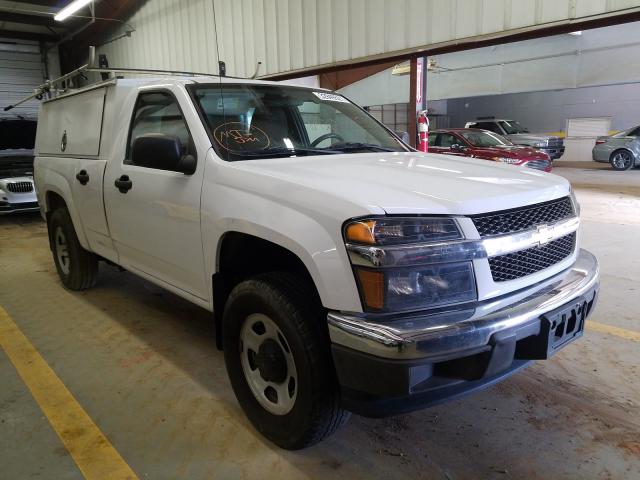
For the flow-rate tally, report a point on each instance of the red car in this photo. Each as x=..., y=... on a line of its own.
x=476, y=143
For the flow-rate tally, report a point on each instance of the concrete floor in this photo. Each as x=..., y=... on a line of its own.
x=142, y=363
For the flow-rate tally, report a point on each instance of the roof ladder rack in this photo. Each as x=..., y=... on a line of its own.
x=60, y=85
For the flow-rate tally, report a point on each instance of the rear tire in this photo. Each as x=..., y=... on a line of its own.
x=77, y=268
x=279, y=362
x=621, y=160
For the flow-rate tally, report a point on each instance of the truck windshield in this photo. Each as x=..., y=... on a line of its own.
x=511, y=127
x=248, y=122
x=481, y=138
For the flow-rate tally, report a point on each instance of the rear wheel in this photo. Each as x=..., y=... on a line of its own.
x=77, y=268
x=621, y=160
x=278, y=360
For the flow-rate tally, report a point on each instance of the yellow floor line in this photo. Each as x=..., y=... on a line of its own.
x=95, y=456
x=617, y=331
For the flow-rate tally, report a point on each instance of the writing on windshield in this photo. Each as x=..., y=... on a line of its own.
x=249, y=121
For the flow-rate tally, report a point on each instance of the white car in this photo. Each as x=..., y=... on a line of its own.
x=17, y=192
x=345, y=272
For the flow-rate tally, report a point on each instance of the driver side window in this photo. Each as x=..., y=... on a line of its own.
x=158, y=112
x=445, y=140
x=492, y=127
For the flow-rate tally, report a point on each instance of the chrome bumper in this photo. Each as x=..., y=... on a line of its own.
x=445, y=334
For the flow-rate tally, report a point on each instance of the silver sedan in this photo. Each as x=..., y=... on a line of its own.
x=621, y=150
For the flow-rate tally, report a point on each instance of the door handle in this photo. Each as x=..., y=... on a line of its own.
x=82, y=177
x=124, y=184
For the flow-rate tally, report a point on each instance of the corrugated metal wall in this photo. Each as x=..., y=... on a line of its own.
x=292, y=35
x=20, y=73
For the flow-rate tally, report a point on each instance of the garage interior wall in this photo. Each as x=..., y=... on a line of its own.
x=294, y=35
x=549, y=111
x=21, y=71
x=568, y=79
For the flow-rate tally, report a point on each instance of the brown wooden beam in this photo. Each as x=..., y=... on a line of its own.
x=342, y=78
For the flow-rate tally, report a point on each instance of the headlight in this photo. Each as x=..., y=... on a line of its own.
x=576, y=205
x=403, y=264
x=394, y=231
x=540, y=144
x=506, y=160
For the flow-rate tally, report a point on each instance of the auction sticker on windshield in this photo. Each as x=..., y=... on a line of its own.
x=330, y=97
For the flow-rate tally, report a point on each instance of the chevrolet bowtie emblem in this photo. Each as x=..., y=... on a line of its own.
x=544, y=234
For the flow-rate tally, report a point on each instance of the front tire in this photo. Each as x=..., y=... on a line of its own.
x=621, y=160
x=278, y=360
x=77, y=268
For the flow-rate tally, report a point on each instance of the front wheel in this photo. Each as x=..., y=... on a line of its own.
x=621, y=160
x=278, y=360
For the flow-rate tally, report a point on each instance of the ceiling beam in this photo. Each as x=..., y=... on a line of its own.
x=9, y=34
x=28, y=19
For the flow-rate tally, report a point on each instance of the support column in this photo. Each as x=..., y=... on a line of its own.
x=417, y=95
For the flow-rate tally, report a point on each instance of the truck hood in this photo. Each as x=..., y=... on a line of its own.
x=395, y=183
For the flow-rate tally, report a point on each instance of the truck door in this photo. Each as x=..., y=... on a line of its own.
x=154, y=213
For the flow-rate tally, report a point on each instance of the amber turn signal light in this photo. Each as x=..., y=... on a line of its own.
x=361, y=232
x=372, y=288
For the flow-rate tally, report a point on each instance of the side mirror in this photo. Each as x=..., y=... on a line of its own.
x=458, y=148
x=164, y=152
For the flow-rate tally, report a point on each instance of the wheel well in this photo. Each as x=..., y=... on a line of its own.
x=621, y=150
x=242, y=256
x=53, y=201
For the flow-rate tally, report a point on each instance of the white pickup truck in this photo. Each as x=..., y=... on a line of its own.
x=345, y=271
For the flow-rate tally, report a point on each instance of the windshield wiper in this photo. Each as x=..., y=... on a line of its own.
x=350, y=146
x=283, y=151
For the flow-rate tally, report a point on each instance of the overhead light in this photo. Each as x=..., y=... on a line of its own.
x=401, y=69
x=70, y=9
x=576, y=33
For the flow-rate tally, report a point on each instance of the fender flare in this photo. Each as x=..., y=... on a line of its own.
x=61, y=188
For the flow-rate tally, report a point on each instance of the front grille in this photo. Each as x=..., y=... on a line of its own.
x=20, y=187
x=520, y=264
x=555, y=142
x=517, y=220
x=538, y=164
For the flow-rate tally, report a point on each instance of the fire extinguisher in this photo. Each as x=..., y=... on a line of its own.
x=423, y=131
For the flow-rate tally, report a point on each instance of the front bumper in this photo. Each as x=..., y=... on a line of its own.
x=7, y=207
x=393, y=365
x=553, y=152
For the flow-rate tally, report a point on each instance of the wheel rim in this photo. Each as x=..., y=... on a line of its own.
x=621, y=160
x=62, y=251
x=268, y=365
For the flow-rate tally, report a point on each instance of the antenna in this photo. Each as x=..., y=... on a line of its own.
x=255, y=74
